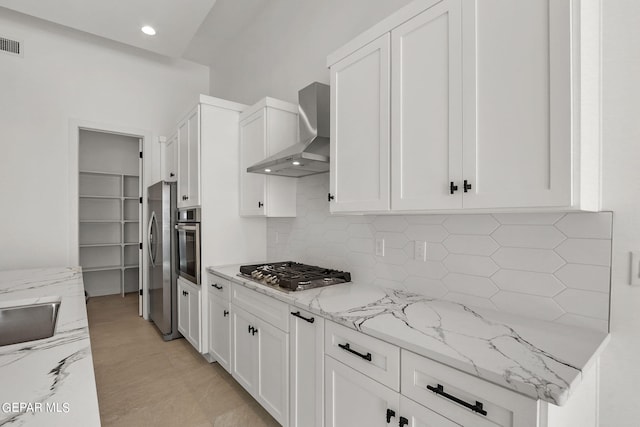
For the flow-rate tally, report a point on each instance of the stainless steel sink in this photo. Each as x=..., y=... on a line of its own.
x=28, y=322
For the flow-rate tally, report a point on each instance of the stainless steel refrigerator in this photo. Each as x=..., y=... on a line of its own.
x=161, y=267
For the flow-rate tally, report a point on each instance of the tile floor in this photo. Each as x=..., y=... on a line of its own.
x=144, y=381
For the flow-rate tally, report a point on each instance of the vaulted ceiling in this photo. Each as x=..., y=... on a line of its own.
x=190, y=29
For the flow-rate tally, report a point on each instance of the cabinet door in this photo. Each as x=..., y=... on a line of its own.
x=426, y=109
x=219, y=331
x=252, y=150
x=359, y=171
x=171, y=159
x=193, y=196
x=420, y=416
x=183, y=163
x=306, y=367
x=273, y=370
x=518, y=143
x=183, y=310
x=194, y=317
x=243, y=359
x=353, y=399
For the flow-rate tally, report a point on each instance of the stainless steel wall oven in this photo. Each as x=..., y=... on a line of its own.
x=188, y=233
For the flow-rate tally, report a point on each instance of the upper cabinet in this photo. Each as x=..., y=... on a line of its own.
x=266, y=128
x=359, y=169
x=189, y=159
x=170, y=169
x=493, y=105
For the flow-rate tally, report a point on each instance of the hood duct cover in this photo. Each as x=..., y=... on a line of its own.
x=310, y=156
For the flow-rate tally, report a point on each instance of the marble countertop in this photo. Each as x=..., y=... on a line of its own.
x=53, y=377
x=539, y=359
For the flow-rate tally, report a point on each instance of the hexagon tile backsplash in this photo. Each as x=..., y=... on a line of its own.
x=548, y=266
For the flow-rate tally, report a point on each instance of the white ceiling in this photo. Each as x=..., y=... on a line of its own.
x=176, y=21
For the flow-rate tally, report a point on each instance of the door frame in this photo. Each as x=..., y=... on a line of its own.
x=73, y=252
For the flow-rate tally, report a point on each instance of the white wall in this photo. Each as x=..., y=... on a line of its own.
x=620, y=368
x=285, y=50
x=286, y=47
x=67, y=75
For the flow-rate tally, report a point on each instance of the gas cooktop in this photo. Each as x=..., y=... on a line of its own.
x=291, y=276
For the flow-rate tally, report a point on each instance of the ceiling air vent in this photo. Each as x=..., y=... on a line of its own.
x=9, y=46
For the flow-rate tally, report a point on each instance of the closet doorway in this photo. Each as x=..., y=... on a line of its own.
x=110, y=212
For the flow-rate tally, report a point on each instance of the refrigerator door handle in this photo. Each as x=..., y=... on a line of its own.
x=152, y=254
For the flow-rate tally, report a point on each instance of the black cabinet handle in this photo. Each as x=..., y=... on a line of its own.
x=330, y=197
x=439, y=389
x=466, y=186
x=225, y=313
x=249, y=328
x=390, y=414
x=255, y=331
x=403, y=422
x=452, y=188
x=347, y=347
x=172, y=174
x=260, y=204
x=185, y=293
x=308, y=319
x=218, y=287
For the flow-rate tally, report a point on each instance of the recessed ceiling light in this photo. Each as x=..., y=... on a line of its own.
x=296, y=163
x=267, y=170
x=148, y=30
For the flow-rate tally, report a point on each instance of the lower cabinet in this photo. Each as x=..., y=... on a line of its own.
x=220, y=331
x=306, y=369
x=189, y=320
x=260, y=362
x=353, y=399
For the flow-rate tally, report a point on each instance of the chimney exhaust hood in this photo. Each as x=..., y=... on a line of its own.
x=310, y=156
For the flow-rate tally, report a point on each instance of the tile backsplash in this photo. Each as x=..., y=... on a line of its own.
x=549, y=266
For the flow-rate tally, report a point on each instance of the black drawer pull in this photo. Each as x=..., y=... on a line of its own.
x=218, y=287
x=403, y=422
x=225, y=313
x=347, y=347
x=390, y=414
x=475, y=408
x=308, y=319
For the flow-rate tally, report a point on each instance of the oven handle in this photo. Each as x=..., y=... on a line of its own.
x=186, y=227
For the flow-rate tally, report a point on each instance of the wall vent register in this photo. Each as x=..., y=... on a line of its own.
x=292, y=276
x=13, y=47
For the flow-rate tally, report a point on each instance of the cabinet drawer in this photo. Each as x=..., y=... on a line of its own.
x=219, y=287
x=503, y=407
x=374, y=358
x=266, y=308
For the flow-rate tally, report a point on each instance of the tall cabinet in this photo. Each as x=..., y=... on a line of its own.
x=206, y=140
x=109, y=190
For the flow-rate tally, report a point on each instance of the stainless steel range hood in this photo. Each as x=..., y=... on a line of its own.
x=310, y=156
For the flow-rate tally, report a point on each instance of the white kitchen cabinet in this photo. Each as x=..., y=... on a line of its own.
x=219, y=330
x=353, y=399
x=426, y=109
x=306, y=367
x=267, y=127
x=189, y=159
x=260, y=362
x=413, y=414
x=170, y=169
x=493, y=106
x=360, y=107
x=219, y=320
x=189, y=320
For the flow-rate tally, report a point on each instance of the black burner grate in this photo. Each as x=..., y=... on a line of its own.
x=295, y=276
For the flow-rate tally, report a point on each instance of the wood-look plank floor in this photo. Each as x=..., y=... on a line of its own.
x=145, y=381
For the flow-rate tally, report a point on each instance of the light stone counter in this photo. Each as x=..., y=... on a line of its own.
x=540, y=359
x=54, y=376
